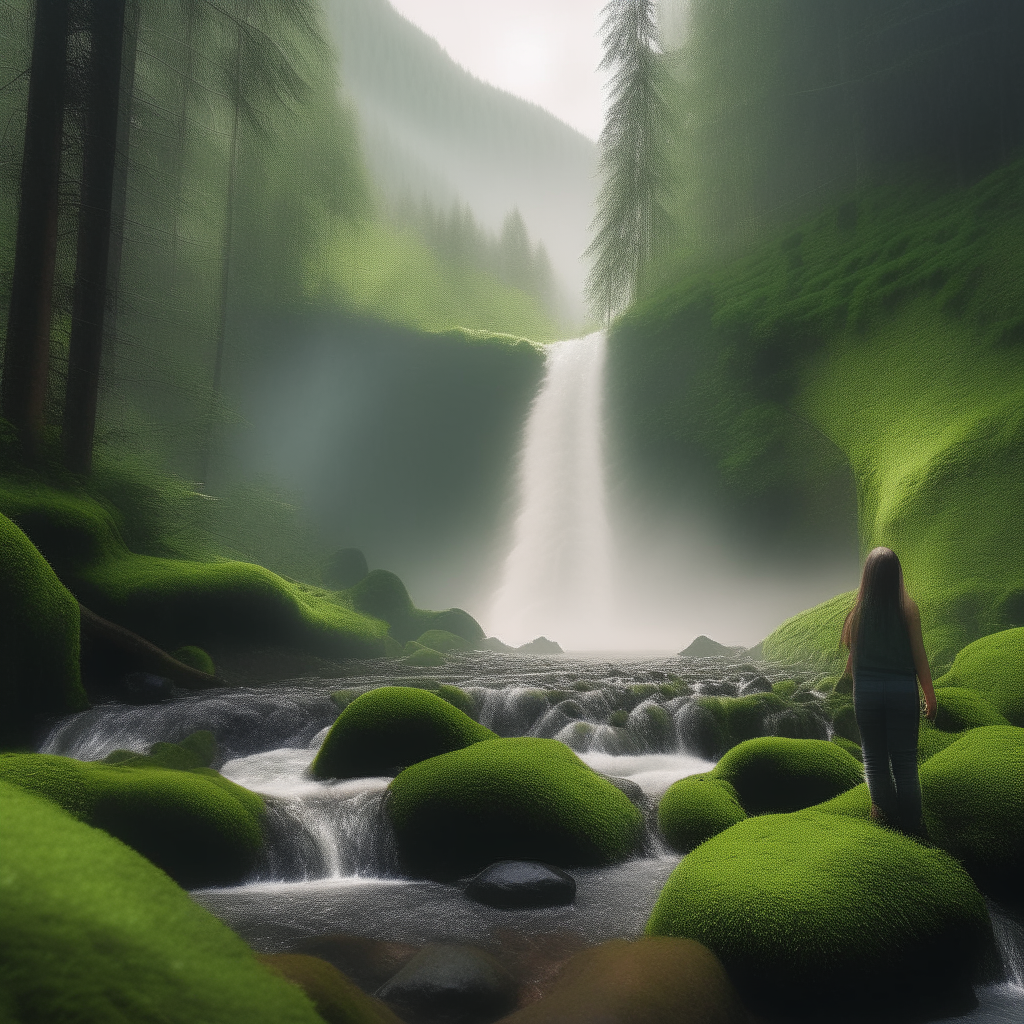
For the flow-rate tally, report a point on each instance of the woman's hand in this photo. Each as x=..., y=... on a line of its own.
x=931, y=705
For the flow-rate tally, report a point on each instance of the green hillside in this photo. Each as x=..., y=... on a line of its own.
x=889, y=329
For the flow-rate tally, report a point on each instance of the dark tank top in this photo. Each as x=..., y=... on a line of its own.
x=883, y=645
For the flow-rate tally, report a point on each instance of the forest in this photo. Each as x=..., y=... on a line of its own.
x=431, y=541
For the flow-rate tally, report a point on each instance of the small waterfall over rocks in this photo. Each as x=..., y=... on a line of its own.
x=557, y=577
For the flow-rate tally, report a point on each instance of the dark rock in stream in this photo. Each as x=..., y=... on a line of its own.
x=144, y=688
x=522, y=883
x=368, y=962
x=448, y=984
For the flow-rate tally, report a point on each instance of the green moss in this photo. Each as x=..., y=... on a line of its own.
x=784, y=687
x=854, y=803
x=421, y=657
x=94, y=933
x=973, y=795
x=993, y=668
x=742, y=718
x=931, y=740
x=774, y=773
x=195, y=825
x=510, y=799
x=458, y=698
x=810, y=909
x=197, y=750
x=960, y=709
x=844, y=722
x=390, y=728
x=813, y=636
x=443, y=641
x=173, y=601
x=849, y=746
x=383, y=595
x=748, y=368
x=39, y=640
x=696, y=808
x=195, y=657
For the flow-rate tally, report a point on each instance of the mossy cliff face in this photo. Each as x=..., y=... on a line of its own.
x=508, y=799
x=94, y=933
x=39, y=640
x=821, y=913
x=388, y=729
x=880, y=340
x=195, y=825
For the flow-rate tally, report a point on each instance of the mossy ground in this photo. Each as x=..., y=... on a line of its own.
x=39, y=640
x=390, y=728
x=810, y=911
x=194, y=824
x=94, y=933
x=508, y=799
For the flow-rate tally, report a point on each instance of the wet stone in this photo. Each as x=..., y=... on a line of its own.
x=512, y=884
x=451, y=984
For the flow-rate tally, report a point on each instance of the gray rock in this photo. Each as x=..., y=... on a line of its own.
x=705, y=647
x=522, y=883
x=454, y=984
x=542, y=645
x=756, y=685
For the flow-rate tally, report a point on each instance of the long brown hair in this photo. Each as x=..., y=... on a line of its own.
x=881, y=597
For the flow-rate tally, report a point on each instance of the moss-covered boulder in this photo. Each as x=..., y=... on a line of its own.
x=844, y=722
x=198, y=750
x=443, y=641
x=39, y=641
x=650, y=981
x=849, y=746
x=709, y=726
x=508, y=799
x=421, y=657
x=931, y=740
x=993, y=668
x=195, y=657
x=696, y=808
x=973, y=796
x=774, y=773
x=823, y=913
x=94, y=933
x=959, y=708
x=345, y=568
x=196, y=825
x=388, y=729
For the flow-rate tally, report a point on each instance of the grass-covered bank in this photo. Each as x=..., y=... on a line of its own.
x=882, y=338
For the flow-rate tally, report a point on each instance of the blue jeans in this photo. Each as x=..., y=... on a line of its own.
x=888, y=712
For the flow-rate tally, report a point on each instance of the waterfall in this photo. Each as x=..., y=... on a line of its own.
x=557, y=576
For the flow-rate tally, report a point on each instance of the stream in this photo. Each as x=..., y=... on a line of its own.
x=330, y=868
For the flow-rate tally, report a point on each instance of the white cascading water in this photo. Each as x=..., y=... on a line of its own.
x=557, y=576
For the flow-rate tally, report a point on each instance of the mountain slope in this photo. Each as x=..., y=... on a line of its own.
x=429, y=127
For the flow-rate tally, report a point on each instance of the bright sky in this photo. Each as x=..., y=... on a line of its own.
x=545, y=51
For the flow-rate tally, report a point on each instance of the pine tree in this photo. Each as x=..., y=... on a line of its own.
x=631, y=223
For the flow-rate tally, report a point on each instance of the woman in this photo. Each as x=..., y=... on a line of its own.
x=883, y=633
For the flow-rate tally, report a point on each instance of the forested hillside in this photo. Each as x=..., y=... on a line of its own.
x=240, y=191
x=430, y=129
x=838, y=354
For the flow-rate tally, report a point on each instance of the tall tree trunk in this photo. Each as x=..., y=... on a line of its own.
x=27, y=351
x=99, y=160
x=119, y=202
x=225, y=280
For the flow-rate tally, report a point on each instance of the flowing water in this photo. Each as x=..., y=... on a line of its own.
x=330, y=866
x=557, y=577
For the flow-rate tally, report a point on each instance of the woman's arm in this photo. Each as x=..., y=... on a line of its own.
x=924, y=674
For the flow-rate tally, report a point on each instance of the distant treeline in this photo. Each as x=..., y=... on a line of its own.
x=456, y=236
